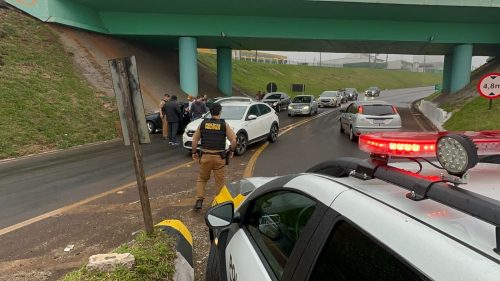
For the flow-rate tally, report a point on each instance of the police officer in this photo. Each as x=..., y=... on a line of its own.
x=213, y=154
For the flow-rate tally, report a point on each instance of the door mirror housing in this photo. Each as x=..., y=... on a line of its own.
x=220, y=215
x=252, y=117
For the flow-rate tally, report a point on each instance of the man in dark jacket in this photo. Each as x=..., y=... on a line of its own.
x=198, y=108
x=173, y=112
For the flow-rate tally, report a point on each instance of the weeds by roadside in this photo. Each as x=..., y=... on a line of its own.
x=154, y=258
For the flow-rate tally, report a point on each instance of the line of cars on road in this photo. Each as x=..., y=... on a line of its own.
x=254, y=121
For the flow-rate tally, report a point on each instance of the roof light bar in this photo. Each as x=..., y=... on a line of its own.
x=423, y=144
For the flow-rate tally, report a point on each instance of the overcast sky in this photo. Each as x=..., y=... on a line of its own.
x=314, y=57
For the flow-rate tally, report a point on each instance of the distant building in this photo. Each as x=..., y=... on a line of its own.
x=428, y=63
x=400, y=65
x=353, y=60
x=260, y=57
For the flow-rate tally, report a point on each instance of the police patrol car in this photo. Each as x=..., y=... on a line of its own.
x=381, y=218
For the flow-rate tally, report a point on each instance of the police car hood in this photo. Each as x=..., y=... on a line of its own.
x=247, y=185
x=234, y=124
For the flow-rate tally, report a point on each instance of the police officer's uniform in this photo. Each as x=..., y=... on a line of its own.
x=213, y=133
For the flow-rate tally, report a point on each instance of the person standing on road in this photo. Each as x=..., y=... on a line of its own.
x=164, y=121
x=173, y=113
x=198, y=108
x=212, y=155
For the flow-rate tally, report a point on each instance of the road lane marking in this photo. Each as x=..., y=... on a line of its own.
x=87, y=200
x=248, y=171
x=253, y=160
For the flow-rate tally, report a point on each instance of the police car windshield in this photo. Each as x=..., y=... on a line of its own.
x=230, y=112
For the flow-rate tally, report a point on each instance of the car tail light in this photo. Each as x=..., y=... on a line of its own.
x=409, y=144
x=360, y=109
x=395, y=110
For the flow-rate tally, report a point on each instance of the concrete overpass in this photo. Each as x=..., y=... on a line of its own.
x=457, y=29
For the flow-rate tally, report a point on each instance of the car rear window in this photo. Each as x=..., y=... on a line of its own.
x=378, y=109
x=302, y=99
x=273, y=96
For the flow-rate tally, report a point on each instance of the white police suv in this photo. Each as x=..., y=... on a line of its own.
x=394, y=216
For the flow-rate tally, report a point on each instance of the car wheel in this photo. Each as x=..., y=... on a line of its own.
x=341, y=128
x=212, y=270
x=352, y=136
x=151, y=127
x=273, y=133
x=241, y=143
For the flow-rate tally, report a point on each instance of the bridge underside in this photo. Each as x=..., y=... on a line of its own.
x=355, y=26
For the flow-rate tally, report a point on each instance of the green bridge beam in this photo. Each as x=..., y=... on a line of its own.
x=188, y=65
x=461, y=67
x=224, y=68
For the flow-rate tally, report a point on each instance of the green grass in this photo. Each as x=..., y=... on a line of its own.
x=251, y=77
x=154, y=258
x=44, y=103
x=475, y=116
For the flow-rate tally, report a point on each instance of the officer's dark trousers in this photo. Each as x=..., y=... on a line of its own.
x=209, y=163
x=172, y=131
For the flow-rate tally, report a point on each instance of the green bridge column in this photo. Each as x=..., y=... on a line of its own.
x=448, y=62
x=460, y=69
x=224, y=68
x=188, y=65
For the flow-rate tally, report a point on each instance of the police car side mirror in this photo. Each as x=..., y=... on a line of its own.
x=220, y=215
x=252, y=117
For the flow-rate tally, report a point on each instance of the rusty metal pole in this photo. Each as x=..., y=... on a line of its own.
x=134, y=140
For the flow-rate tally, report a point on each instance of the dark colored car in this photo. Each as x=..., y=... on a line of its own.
x=372, y=92
x=343, y=96
x=277, y=100
x=154, y=122
x=352, y=94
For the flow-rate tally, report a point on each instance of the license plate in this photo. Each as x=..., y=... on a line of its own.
x=375, y=121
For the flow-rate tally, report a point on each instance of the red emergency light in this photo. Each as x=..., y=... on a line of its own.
x=423, y=144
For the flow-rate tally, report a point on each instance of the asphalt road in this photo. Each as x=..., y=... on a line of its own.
x=36, y=185
x=320, y=140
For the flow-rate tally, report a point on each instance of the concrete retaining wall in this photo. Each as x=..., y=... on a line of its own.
x=435, y=114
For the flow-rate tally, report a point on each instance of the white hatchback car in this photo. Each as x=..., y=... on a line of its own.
x=251, y=121
x=367, y=219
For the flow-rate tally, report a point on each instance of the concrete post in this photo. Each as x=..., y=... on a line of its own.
x=224, y=68
x=448, y=61
x=460, y=69
x=188, y=65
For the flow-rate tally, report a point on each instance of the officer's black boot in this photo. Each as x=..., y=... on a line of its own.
x=198, y=204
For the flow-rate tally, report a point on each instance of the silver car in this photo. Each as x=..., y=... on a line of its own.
x=303, y=105
x=369, y=116
x=330, y=98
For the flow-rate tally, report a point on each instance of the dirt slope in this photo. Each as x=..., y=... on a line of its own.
x=158, y=69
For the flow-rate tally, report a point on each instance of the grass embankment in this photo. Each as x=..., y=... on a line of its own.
x=251, y=77
x=44, y=103
x=474, y=116
x=154, y=259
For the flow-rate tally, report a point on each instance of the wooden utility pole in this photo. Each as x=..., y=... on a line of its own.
x=125, y=88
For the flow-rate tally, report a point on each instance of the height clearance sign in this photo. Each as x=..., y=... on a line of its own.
x=489, y=86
